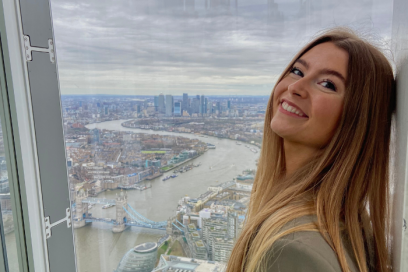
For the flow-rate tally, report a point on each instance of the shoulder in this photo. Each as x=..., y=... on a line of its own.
x=304, y=251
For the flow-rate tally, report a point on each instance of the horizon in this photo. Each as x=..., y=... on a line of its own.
x=230, y=47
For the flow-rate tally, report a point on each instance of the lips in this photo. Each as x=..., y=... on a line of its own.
x=292, y=108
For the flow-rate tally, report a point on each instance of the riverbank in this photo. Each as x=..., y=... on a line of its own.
x=190, y=133
x=181, y=163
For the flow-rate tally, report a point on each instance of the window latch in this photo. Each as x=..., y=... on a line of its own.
x=28, y=49
x=48, y=225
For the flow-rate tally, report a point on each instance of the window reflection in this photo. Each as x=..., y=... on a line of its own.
x=7, y=211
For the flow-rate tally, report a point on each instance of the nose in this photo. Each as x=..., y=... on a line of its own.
x=300, y=87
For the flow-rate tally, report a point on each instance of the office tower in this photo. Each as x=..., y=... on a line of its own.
x=162, y=107
x=177, y=109
x=195, y=105
x=210, y=108
x=106, y=109
x=185, y=102
x=156, y=103
x=138, y=108
x=203, y=108
x=205, y=105
x=169, y=105
x=229, y=104
x=218, y=107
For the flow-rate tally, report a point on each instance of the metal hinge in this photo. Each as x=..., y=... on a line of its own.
x=28, y=49
x=48, y=225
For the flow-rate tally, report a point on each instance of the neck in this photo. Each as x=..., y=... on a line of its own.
x=296, y=155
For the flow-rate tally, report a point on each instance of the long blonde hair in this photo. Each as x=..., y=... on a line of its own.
x=346, y=184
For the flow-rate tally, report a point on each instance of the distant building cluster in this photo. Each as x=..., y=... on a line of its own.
x=212, y=222
x=201, y=106
x=103, y=160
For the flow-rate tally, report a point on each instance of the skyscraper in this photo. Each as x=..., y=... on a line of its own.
x=210, y=108
x=177, y=109
x=169, y=105
x=219, y=107
x=162, y=107
x=202, y=106
x=195, y=105
x=156, y=103
x=229, y=104
x=185, y=102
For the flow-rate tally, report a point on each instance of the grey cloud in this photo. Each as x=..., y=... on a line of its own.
x=173, y=46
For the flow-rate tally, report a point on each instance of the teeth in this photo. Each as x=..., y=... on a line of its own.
x=291, y=109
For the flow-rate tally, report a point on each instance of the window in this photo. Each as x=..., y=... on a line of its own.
x=161, y=120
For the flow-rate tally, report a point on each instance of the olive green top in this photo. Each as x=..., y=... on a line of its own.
x=306, y=251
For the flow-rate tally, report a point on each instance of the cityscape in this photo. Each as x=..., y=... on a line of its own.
x=120, y=147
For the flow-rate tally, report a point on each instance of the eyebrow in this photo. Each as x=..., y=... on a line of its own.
x=323, y=71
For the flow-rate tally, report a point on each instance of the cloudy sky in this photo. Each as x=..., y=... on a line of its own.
x=210, y=47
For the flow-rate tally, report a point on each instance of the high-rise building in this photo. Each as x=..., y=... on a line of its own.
x=203, y=108
x=233, y=225
x=106, y=109
x=221, y=249
x=218, y=108
x=185, y=105
x=205, y=105
x=229, y=104
x=156, y=103
x=190, y=106
x=195, y=105
x=214, y=228
x=177, y=109
x=210, y=108
x=169, y=105
x=162, y=107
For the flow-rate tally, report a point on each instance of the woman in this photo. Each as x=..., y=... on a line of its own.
x=320, y=197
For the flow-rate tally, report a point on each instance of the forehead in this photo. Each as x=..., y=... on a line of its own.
x=327, y=56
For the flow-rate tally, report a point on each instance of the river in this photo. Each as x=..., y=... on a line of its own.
x=99, y=249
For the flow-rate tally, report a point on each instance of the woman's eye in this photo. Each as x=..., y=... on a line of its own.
x=329, y=85
x=296, y=71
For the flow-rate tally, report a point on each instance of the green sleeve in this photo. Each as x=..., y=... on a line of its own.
x=295, y=256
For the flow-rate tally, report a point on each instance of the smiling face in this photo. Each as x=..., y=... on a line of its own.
x=308, y=101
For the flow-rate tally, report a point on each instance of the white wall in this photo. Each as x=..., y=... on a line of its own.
x=400, y=211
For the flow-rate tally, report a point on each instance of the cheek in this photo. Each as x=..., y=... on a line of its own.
x=279, y=89
x=328, y=113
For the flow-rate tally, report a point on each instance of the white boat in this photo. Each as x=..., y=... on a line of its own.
x=107, y=206
x=90, y=206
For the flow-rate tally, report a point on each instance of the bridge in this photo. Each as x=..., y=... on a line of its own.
x=126, y=215
x=103, y=201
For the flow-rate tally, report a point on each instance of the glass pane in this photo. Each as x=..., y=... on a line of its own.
x=163, y=104
x=7, y=211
